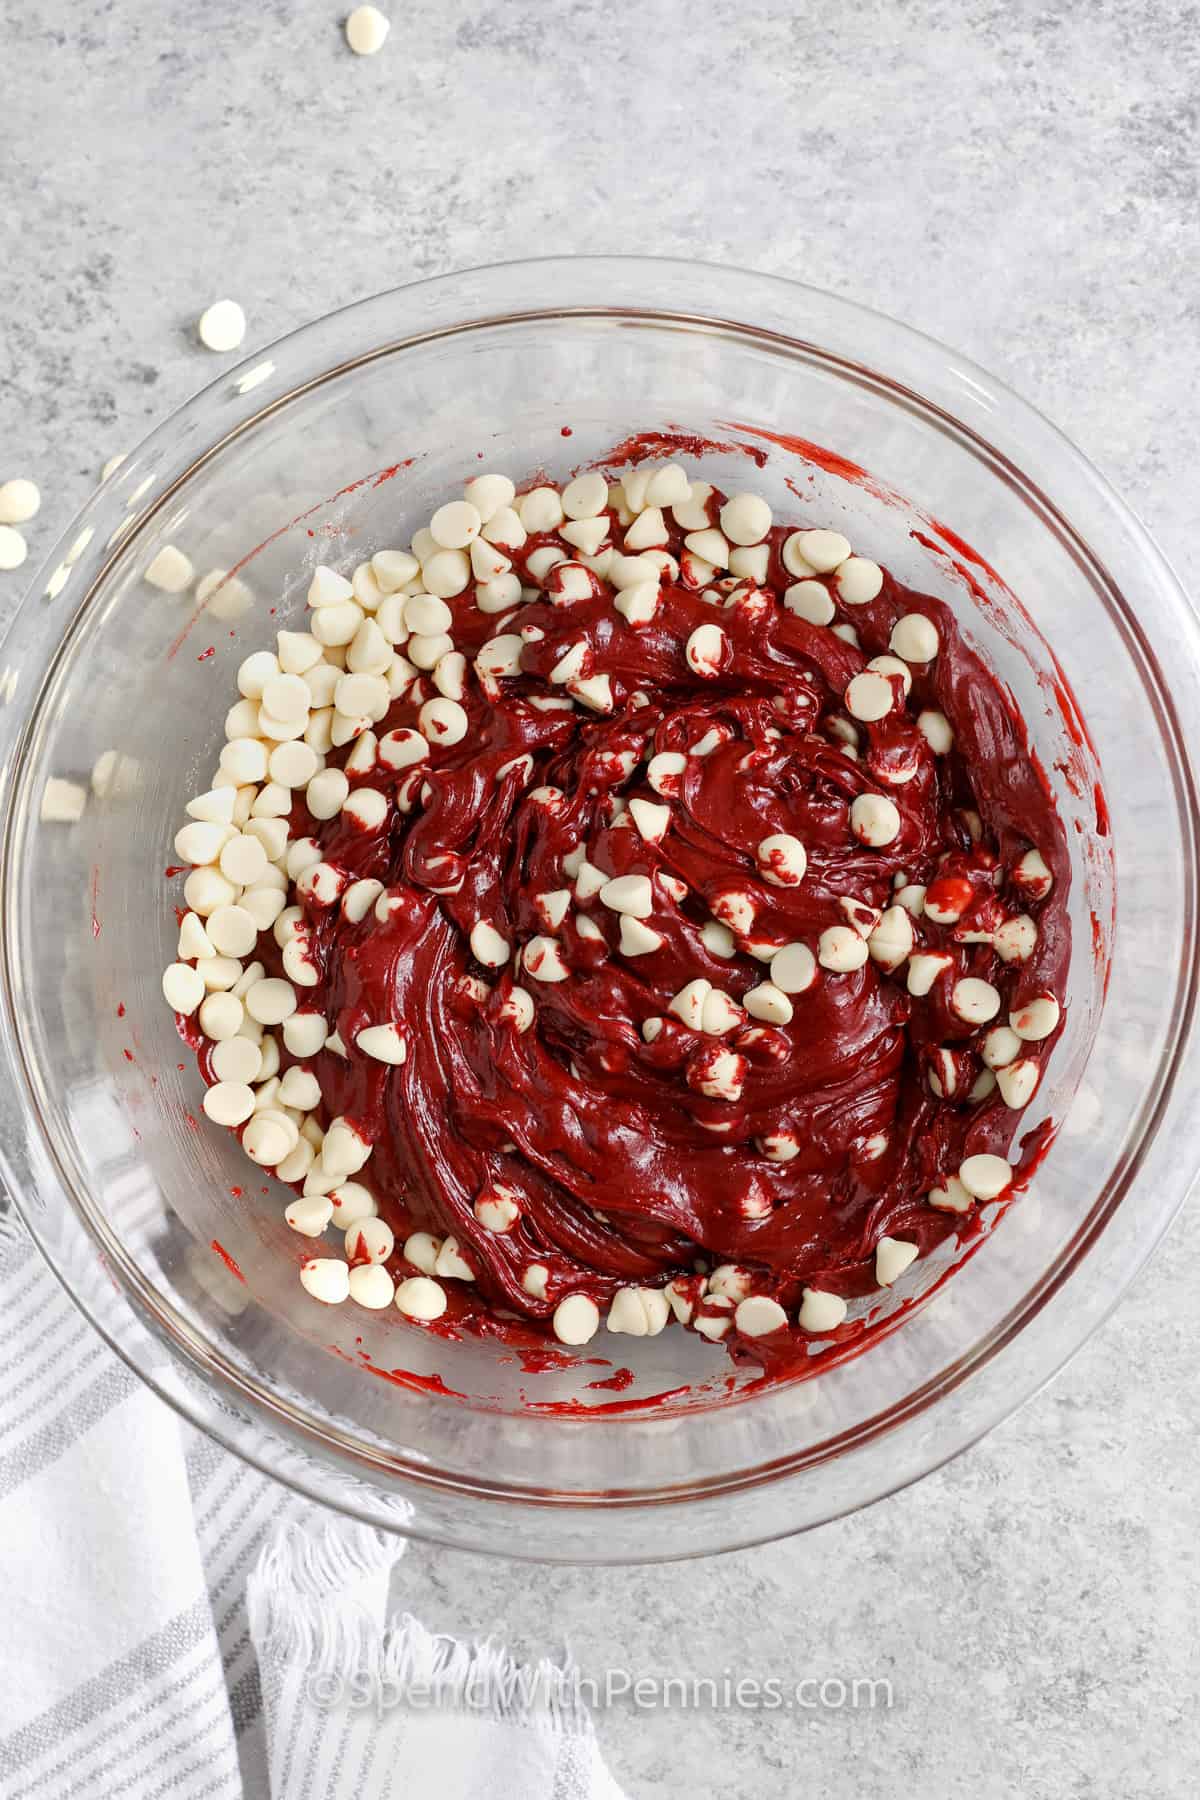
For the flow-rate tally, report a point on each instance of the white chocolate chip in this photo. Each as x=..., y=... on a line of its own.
x=630, y=894
x=875, y=820
x=794, y=967
x=1001, y=1046
x=222, y=326
x=540, y=510
x=719, y=1013
x=782, y=859
x=688, y=1003
x=371, y=1286
x=326, y=1278
x=745, y=519
x=488, y=494
x=950, y=1196
x=309, y=1217
x=420, y=1297
x=819, y=1311
x=985, y=1177
x=840, y=949
x=706, y=649
x=1032, y=875
x=183, y=988
x=648, y=531
x=638, y=939
x=810, y=600
x=542, y=958
x=488, y=946
x=576, y=1319
x=892, y=1257
x=366, y=30
x=936, y=730
x=757, y=1316
x=858, y=580
x=651, y=820
x=1015, y=940
x=924, y=968
x=891, y=942
x=915, y=638
x=638, y=1312
x=1036, y=1019
x=170, y=571
x=1017, y=1082
x=974, y=1001
x=769, y=1002
x=19, y=502
x=229, y=1102
x=870, y=697
x=497, y=1209
x=451, y=1264
x=384, y=1043
x=421, y=1250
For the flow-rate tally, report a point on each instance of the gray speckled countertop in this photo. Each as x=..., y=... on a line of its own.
x=1020, y=180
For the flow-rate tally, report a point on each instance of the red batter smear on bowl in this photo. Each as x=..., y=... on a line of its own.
x=628, y=1165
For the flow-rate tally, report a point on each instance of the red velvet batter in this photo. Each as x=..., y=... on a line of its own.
x=597, y=1133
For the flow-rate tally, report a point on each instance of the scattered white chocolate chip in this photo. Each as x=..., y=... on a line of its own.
x=309, y=1217
x=638, y=939
x=170, y=571
x=222, y=326
x=810, y=600
x=366, y=30
x=229, y=1102
x=19, y=502
x=652, y=821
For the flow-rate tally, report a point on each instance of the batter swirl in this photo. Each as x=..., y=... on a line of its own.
x=713, y=921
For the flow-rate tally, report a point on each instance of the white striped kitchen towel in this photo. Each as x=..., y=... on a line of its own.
x=174, y=1624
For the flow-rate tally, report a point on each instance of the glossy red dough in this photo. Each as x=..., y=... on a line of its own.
x=624, y=1169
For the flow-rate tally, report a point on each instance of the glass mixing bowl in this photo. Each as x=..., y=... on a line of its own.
x=339, y=441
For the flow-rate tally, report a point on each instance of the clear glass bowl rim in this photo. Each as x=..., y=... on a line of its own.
x=200, y=1383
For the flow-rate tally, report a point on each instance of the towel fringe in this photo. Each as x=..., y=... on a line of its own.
x=303, y=1609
